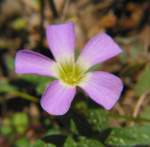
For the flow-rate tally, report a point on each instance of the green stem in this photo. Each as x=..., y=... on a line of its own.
x=25, y=96
x=112, y=115
x=129, y=118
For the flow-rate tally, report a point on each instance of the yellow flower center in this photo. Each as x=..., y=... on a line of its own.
x=71, y=73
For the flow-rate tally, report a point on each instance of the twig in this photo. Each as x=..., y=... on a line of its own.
x=97, y=7
x=139, y=104
x=42, y=17
x=53, y=8
x=120, y=109
x=64, y=10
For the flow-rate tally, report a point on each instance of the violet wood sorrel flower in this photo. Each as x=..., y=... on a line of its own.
x=104, y=88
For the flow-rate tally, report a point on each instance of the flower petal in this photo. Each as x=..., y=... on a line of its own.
x=104, y=88
x=57, y=98
x=61, y=40
x=98, y=49
x=29, y=62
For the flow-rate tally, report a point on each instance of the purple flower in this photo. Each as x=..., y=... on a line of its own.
x=104, y=88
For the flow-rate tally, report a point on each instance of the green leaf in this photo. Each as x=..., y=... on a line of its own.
x=33, y=78
x=77, y=53
x=136, y=50
x=143, y=83
x=5, y=86
x=131, y=69
x=20, y=121
x=40, y=143
x=6, y=128
x=98, y=119
x=70, y=142
x=39, y=81
x=22, y=142
x=136, y=135
x=146, y=113
x=19, y=23
x=53, y=131
x=10, y=63
x=85, y=142
x=73, y=127
x=42, y=83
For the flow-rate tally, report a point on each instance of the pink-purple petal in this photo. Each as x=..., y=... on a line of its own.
x=104, y=88
x=57, y=98
x=100, y=48
x=30, y=62
x=61, y=40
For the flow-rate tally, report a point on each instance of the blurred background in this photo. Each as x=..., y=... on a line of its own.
x=22, y=121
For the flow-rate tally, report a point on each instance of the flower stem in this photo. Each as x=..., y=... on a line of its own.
x=25, y=96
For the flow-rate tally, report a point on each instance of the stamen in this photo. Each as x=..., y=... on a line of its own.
x=70, y=73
